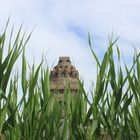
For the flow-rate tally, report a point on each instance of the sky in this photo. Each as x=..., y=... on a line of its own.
x=61, y=29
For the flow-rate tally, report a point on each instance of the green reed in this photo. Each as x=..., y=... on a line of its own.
x=113, y=112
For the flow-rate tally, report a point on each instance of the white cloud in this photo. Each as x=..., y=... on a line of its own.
x=62, y=25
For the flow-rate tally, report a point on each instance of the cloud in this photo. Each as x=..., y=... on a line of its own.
x=62, y=27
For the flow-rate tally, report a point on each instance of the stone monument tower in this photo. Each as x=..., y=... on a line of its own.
x=64, y=74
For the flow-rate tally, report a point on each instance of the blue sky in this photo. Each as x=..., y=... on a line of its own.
x=62, y=26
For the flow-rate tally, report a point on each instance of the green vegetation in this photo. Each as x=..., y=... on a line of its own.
x=113, y=113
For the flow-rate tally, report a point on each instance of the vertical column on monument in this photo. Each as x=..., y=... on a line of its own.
x=63, y=74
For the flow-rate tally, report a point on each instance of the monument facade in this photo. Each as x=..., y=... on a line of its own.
x=64, y=76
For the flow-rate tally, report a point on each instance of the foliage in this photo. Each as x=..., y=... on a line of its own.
x=113, y=112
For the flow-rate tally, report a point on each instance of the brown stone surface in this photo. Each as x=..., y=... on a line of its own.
x=64, y=74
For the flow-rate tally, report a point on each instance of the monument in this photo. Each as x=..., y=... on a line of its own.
x=64, y=76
